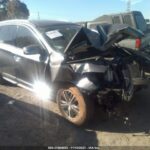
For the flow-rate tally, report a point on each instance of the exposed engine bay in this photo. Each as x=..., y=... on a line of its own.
x=103, y=70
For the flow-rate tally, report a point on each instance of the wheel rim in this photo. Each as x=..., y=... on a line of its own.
x=69, y=104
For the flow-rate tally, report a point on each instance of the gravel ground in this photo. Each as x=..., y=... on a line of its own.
x=25, y=120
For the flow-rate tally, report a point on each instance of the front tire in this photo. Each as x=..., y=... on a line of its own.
x=73, y=106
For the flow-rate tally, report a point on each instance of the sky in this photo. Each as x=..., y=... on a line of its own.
x=81, y=10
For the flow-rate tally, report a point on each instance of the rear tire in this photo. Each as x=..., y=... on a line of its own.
x=74, y=106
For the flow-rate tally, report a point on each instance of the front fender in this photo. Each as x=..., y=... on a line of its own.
x=87, y=85
x=88, y=80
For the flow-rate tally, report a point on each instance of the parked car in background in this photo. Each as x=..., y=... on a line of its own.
x=134, y=19
x=148, y=23
x=82, y=66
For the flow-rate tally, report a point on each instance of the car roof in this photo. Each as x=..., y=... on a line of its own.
x=116, y=14
x=42, y=23
x=37, y=23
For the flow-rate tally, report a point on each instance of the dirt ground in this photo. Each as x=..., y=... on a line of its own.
x=25, y=120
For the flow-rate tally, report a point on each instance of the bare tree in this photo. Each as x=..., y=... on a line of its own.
x=17, y=10
x=3, y=11
x=13, y=9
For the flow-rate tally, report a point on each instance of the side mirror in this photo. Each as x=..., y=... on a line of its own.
x=32, y=50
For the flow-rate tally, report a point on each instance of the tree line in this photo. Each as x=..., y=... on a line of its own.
x=13, y=9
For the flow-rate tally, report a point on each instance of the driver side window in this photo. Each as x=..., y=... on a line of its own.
x=25, y=38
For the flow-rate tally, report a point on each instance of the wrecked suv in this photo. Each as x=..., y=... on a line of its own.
x=80, y=65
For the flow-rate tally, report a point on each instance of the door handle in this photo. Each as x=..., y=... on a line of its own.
x=17, y=58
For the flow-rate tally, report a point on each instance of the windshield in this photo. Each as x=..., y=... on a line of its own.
x=58, y=37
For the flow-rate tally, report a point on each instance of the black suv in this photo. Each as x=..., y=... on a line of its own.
x=31, y=56
x=77, y=63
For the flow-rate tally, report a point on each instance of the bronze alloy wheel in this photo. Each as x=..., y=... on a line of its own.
x=73, y=106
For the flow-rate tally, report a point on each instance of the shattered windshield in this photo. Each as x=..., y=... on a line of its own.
x=58, y=37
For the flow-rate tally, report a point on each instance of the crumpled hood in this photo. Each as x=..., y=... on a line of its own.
x=101, y=40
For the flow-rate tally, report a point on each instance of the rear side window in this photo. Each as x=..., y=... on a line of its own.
x=8, y=34
x=127, y=20
x=140, y=22
x=116, y=20
x=25, y=38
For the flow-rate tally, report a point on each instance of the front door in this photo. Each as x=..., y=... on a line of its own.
x=30, y=68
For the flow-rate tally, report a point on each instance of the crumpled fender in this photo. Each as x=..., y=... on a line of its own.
x=89, y=68
x=77, y=73
x=87, y=85
x=86, y=71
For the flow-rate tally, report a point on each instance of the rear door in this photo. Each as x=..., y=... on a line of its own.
x=7, y=51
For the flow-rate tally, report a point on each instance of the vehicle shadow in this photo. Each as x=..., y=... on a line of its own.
x=129, y=117
x=23, y=124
